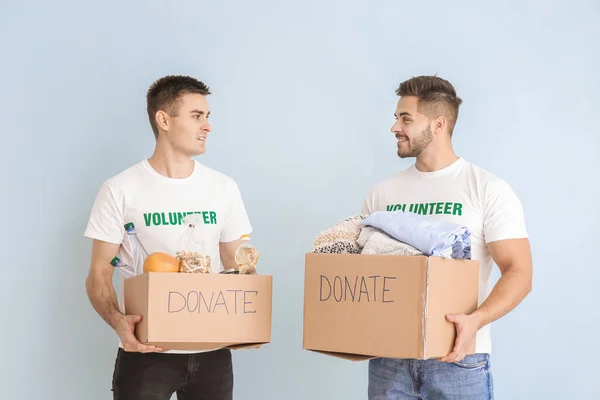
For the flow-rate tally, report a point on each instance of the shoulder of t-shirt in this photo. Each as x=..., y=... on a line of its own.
x=217, y=176
x=121, y=180
x=391, y=180
x=488, y=181
x=124, y=178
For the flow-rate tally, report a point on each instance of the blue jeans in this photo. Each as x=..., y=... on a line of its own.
x=404, y=379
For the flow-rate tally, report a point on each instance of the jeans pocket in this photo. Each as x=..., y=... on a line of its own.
x=473, y=361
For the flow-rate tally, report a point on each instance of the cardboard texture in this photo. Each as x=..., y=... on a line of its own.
x=200, y=312
x=365, y=306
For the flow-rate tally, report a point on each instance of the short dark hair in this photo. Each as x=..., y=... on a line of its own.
x=165, y=93
x=436, y=96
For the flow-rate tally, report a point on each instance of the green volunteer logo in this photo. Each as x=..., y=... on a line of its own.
x=447, y=208
x=176, y=218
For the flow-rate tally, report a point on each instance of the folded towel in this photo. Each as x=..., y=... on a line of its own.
x=430, y=235
x=374, y=241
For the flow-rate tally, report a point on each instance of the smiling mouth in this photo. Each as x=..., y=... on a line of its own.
x=202, y=138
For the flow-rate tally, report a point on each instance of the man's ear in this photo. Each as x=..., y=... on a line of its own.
x=439, y=124
x=163, y=121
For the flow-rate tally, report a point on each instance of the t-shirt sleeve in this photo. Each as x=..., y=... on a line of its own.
x=503, y=214
x=106, y=218
x=367, y=206
x=236, y=221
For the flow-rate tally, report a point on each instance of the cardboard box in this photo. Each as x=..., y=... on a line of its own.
x=365, y=306
x=200, y=312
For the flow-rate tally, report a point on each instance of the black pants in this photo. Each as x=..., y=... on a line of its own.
x=156, y=376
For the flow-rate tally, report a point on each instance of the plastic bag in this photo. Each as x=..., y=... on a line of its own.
x=192, y=254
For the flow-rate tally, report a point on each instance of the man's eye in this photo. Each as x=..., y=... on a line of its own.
x=406, y=120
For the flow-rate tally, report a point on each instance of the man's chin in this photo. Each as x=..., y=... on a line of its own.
x=197, y=152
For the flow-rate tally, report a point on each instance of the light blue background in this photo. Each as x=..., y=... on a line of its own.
x=302, y=106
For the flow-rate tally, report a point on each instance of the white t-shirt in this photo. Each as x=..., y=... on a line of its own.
x=157, y=204
x=464, y=194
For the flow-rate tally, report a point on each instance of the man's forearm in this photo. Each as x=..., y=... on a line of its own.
x=509, y=291
x=104, y=299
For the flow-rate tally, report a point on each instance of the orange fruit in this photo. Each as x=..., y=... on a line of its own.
x=161, y=262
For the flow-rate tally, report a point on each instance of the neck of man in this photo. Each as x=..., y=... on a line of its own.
x=170, y=163
x=436, y=157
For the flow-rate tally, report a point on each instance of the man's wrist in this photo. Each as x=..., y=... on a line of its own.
x=479, y=316
x=114, y=319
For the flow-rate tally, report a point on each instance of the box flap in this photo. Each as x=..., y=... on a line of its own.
x=245, y=346
x=363, y=304
x=452, y=289
x=191, y=346
x=345, y=356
